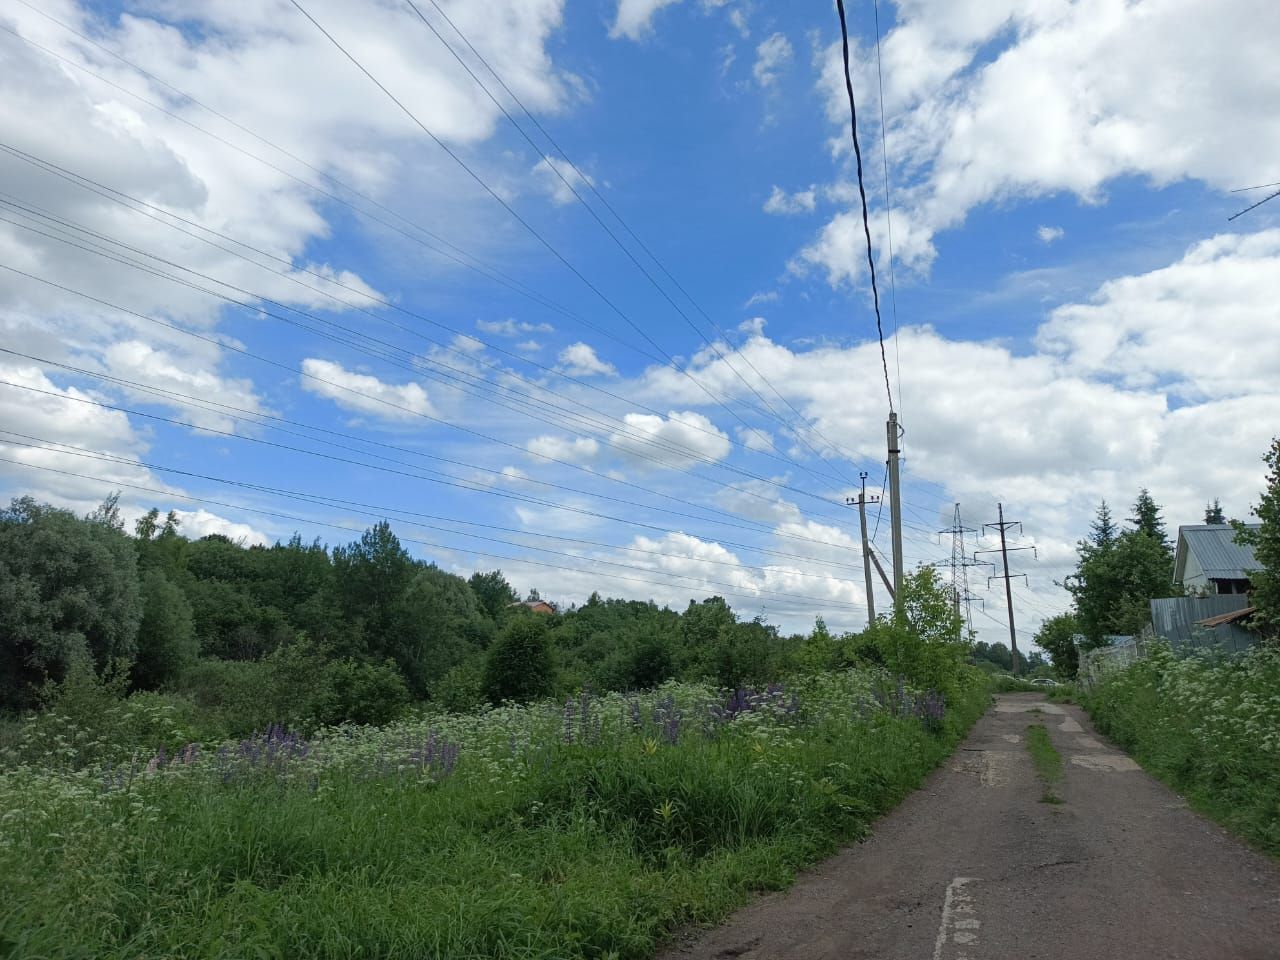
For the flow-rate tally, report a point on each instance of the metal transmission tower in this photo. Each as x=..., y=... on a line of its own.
x=960, y=564
x=1004, y=525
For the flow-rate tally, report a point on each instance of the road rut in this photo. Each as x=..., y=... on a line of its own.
x=974, y=866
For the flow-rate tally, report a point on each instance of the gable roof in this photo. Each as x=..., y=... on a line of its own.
x=1215, y=549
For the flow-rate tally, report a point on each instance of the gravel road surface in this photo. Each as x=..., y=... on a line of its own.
x=974, y=866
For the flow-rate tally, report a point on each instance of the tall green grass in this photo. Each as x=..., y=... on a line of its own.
x=1208, y=725
x=587, y=830
x=1046, y=759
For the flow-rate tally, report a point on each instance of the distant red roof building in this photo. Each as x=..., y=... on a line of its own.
x=537, y=606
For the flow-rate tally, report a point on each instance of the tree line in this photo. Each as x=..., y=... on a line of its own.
x=299, y=629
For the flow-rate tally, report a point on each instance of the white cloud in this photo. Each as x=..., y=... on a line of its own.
x=1163, y=379
x=753, y=438
x=362, y=393
x=772, y=56
x=753, y=327
x=634, y=19
x=580, y=360
x=1079, y=95
x=226, y=53
x=560, y=179
x=781, y=202
x=841, y=246
x=678, y=441
x=201, y=523
x=762, y=296
x=528, y=346
x=1205, y=326
x=142, y=363
x=512, y=328
x=569, y=449
x=1049, y=234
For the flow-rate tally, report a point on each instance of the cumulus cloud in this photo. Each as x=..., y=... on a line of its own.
x=142, y=363
x=1049, y=234
x=362, y=393
x=1205, y=325
x=1077, y=96
x=781, y=202
x=201, y=523
x=678, y=441
x=580, y=360
x=772, y=56
x=559, y=180
x=512, y=328
x=753, y=438
x=634, y=18
x=569, y=449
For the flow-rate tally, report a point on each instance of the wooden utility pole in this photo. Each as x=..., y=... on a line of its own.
x=862, y=502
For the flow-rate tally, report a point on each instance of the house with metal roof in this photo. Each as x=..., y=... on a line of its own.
x=1209, y=561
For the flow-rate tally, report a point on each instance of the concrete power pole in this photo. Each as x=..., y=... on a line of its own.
x=893, y=435
x=1002, y=525
x=862, y=502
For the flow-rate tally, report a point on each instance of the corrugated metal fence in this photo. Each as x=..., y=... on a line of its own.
x=1174, y=619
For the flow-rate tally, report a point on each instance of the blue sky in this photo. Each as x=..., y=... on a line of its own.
x=1075, y=316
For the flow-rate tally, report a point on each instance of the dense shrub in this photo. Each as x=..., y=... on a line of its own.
x=519, y=665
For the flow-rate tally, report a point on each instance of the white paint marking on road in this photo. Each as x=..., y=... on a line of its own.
x=949, y=931
x=1069, y=725
x=1110, y=762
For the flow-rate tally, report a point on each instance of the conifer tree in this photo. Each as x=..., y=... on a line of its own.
x=1265, y=540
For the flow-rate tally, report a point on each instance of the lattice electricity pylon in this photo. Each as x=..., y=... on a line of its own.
x=960, y=563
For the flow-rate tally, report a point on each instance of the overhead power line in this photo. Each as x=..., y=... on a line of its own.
x=288, y=270
x=416, y=365
x=446, y=479
x=589, y=183
x=1254, y=206
x=524, y=223
x=888, y=207
x=862, y=192
x=339, y=199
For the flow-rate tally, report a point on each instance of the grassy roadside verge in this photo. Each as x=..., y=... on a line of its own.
x=1207, y=727
x=586, y=829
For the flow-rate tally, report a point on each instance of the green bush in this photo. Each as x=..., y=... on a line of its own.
x=364, y=693
x=519, y=665
x=167, y=643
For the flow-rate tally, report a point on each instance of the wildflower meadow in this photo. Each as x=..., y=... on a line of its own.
x=588, y=827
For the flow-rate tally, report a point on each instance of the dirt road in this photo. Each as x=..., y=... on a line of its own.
x=975, y=867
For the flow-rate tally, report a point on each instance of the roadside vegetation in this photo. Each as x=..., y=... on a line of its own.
x=1205, y=722
x=1208, y=725
x=1047, y=761
x=215, y=751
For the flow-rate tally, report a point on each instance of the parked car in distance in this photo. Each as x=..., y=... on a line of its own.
x=1045, y=682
